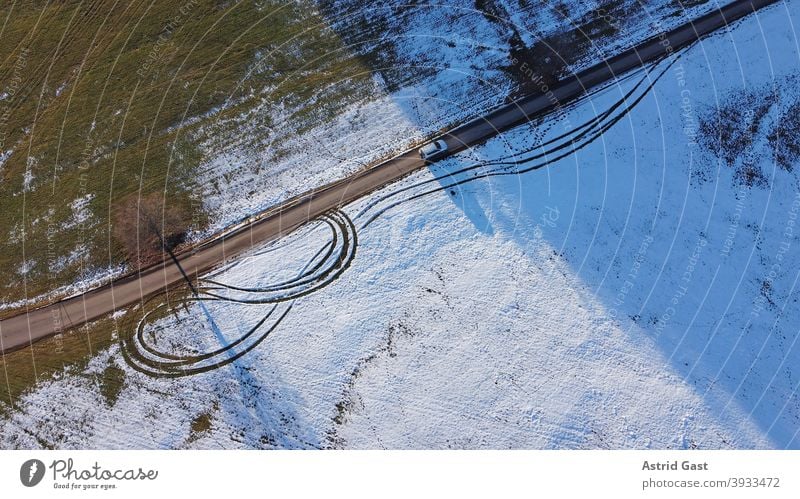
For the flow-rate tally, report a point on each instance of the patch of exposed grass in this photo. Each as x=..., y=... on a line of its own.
x=68, y=353
x=202, y=423
x=111, y=383
x=784, y=138
x=729, y=130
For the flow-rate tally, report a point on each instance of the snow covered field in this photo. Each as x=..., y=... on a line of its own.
x=434, y=66
x=638, y=293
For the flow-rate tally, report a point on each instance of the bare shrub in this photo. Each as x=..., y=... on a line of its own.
x=728, y=132
x=784, y=138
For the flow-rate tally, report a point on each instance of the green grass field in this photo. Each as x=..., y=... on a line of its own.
x=100, y=99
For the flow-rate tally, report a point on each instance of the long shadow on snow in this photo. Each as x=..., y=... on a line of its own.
x=649, y=241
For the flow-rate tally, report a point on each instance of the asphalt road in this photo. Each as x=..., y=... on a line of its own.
x=22, y=330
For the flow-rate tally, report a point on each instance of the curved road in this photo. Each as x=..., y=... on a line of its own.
x=24, y=329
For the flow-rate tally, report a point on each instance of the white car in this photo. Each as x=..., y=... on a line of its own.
x=433, y=150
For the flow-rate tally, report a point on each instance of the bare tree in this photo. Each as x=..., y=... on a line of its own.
x=147, y=227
